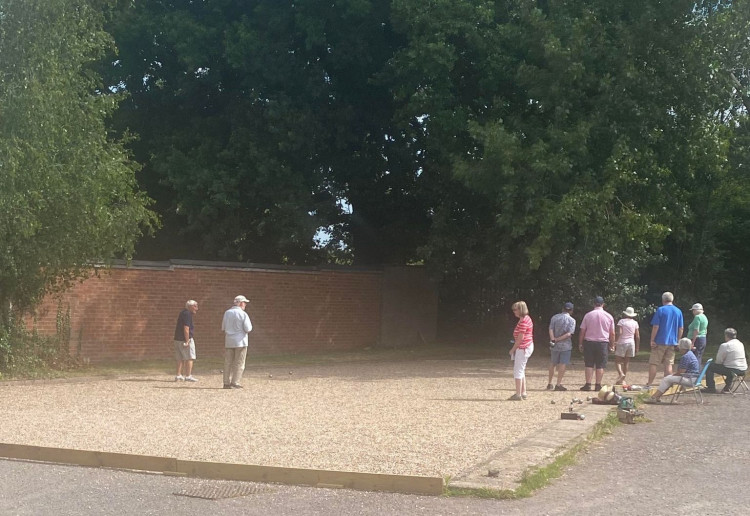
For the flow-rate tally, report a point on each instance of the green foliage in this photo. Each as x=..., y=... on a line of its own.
x=29, y=354
x=260, y=123
x=69, y=195
x=523, y=149
x=585, y=126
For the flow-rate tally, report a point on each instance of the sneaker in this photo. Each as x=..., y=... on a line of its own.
x=586, y=387
x=179, y=378
x=227, y=386
x=191, y=378
x=515, y=397
x=598, y=387
x=237, y=386
x=726, y=391
x=550, y=386
x=706, y=390
x=559, y=387
x=524, y=396
x=653, y=401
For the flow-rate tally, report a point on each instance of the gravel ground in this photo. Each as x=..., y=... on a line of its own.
x=422, y=417
x=689, y=460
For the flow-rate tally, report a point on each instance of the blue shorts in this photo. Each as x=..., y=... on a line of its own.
x=559, y=357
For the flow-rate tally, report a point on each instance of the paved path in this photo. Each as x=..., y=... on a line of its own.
x=690, y=459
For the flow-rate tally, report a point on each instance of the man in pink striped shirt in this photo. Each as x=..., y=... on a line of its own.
x=596, y=339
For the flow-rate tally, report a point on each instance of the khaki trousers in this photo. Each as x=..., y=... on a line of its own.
x=234, y=365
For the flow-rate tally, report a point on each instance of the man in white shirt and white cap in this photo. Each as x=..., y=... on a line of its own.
x=730, y=362
x=235, y=325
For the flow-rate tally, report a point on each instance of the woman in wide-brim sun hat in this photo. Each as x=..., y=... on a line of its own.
x=628, y=342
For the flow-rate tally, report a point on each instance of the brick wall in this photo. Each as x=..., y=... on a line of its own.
x=130, y=312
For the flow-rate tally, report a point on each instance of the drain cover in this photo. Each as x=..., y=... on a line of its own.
x=221, y=492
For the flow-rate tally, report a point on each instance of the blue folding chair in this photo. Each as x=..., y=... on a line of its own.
x=696, y=386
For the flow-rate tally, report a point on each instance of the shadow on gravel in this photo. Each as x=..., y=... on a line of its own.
x=467, y=399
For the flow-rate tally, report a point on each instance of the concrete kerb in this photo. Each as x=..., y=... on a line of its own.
x=224, y=471
x=505, y=469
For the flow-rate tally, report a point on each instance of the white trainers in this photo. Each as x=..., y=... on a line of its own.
x=179, y=378
x=191, y=378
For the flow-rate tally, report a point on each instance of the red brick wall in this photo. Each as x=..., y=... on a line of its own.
x=130, y=312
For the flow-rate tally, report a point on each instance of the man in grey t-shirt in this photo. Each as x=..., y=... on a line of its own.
x=561, y=329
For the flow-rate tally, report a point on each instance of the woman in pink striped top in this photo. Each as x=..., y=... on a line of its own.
x=523, y=347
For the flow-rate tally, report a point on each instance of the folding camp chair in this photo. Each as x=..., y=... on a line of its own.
x=696, y=387
x=739, y=381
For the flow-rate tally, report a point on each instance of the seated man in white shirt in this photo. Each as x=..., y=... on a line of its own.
x=730, y=362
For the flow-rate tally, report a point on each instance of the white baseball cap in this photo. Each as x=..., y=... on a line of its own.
x=241, y=299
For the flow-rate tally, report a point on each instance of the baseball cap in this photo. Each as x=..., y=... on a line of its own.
x=598, y=300
x=241, y=299
x=568, y=306
x=697, y=306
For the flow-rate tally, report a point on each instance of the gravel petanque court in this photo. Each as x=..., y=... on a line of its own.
x=414, y=417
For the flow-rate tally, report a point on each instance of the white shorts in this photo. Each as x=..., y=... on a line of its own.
x=625, y=349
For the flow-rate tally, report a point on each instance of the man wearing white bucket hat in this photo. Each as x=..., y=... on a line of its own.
x=698, y=330
x=628, y=342
x=235, y=325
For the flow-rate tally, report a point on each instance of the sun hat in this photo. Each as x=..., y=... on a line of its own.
x=629, y=312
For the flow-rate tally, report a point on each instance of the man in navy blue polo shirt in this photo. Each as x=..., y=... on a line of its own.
x=184, y=344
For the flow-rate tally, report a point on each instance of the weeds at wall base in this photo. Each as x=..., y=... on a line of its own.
x=27, y=354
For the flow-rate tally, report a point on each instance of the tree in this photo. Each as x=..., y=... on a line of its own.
x=69, y=196
x=261, y=122
x=580, y=124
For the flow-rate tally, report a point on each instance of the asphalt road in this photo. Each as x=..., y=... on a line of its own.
x=689, y=459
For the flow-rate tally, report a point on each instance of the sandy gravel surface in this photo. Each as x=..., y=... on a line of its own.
x=426, y=417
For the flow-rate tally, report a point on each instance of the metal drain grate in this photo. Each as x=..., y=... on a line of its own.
x=221, y=492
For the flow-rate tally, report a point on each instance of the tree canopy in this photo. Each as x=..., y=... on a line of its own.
x=537, y=149
x=69, y=197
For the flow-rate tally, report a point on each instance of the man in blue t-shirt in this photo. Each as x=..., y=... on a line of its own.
x=666, y=331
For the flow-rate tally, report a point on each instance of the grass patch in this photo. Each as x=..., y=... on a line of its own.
x=539, y=477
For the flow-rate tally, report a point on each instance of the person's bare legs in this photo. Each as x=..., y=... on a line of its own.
x=552, y=373
x=625, y=365
x=188, y=367
x=519, y=386
x=589, y=374
x=620, y=370
x=523, y=386
x=651, y=374
x=599, y=376
x=560, y=373
x=179, y=368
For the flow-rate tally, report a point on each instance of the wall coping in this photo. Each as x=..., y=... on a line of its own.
x=173, y=264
